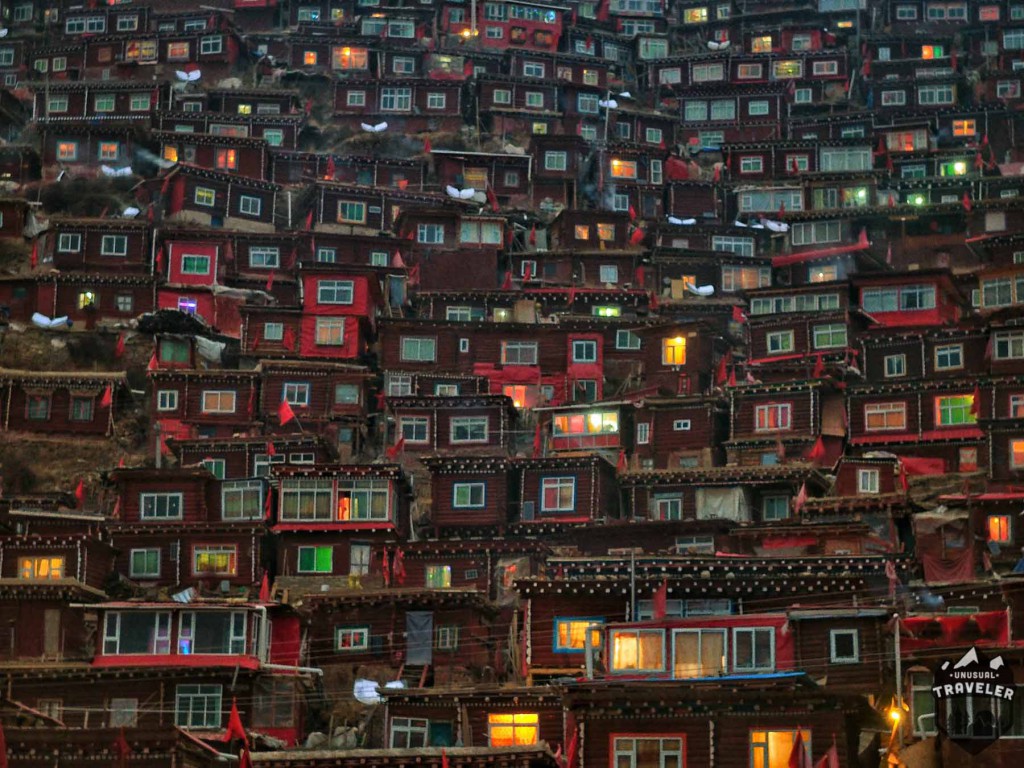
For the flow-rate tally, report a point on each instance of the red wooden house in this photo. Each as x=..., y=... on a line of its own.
x=517, y=25
x=214, y=198
x=518, y=105
x=15, y=213
x=924, y=297
x=99, y=100
x=508, y=176
x=678, y=432
x=278, y=131
x=193, y=403
x=118, y=245
x=470, y=493
x=58, y=403
x=242, y=458
x=407, y=105
x=565, y=490
x=92, y=298
x=557, y=162
x=339, y=310
x=462, y=424
x=292, y=167
x=332, y=518
x=82, y=147
x=238, y=155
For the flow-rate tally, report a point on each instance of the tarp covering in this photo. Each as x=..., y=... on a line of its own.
x=991, y=627
x=944, y=546
x=419, y=637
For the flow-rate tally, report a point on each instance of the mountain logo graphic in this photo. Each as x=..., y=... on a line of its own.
x=974, y=701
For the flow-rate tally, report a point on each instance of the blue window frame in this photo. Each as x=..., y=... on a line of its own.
x=569, y=635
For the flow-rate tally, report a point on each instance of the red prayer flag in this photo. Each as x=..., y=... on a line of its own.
x=108, y=397
x=285, y=412
x=271, y=450
x=637, y=237
x=801, y=498
x=722, y=372
x=392, y=451
x=660, y=600
x=819, y=367
x=979, y=162
x=245, y=759
x=533, y=235
x=289, y=338
x=538, y=443
x=622, y=465
x=331, y=168
x=639, y=276
x=444, y=759
x=602, y=11
x=160, y=260
x=738, y=316
x=427, y=147
x=506, y=284
x=904, y=485
x=492, y=199
x=385, y=567
x=34, y=258
x=632, y=213
x=121, y=462
x=153, y=364
x=527, y=272
x=270, y=282
x=732, y=377
x=119, y=346
x=80, y=494
x=798, y=757
x=573, y=750
x=782, y=209
x=398, y=568
x=831, y=758
x=121, y=747
x=976, y=401
x=268, y=507
x=235, y=729
x=967, y=202
x=265, y=588
x=309, y=220
x=817, y=452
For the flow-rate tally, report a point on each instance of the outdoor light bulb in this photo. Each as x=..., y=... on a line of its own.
x=895, y=715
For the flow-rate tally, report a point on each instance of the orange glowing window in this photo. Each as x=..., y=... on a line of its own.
x=309, y=58
x=673, y=351
x=513, y=730
x=1017, y=454
x=624, y=169
x=227, y=159
x=348, y=58
x=999, y=529
x=517, y=392
x=931, y=52
x=761, y=44
x=41, y=567
x=965, y=128
x=67, y=150
x=171, y=154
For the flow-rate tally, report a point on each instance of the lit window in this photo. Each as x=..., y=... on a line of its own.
x=637, y=650
x=623, y=169
x=513, y=730
x=761, y=44
x=954, y=410
x=438, y=577
x=205, y=196
x=673, y=351
x=220, y=561
x=67, y=150
x=773, y=417
x=351, y=638
x=330, y=331
x=558, y=494
x=309, y=58
x=999, y=529
x=965, y=128
x=1017, y=453
x=41, y=567
x=226, y=159
x=885, y=416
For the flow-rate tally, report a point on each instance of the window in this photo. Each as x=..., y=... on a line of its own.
x=681, y=425
x=56, y=104
x=519, y=353
x=144, y=563
x=949, y=357
x=439, y=577
x=954, y=410
x=431, y=234
x=211, y=45
x=104, y=102
x=558, y=494
x=635, y=650
x=773, y=417
x=879, y=417
x=296, y=393
x=648, y=752
x=355, y=99
x=1009, y=345
x=205, y=196
x=136, y=633
x=844, y=646
x=584, y=351
x=197, y=706
x=249, y=205
x=501, y=96
x=704, y=73
x=555, y=161
x=626, y=340
x=242, y=500
x=673, y=351
x=999, y=529
x=395, y=99
x=415, y=429
x=774, y=508
x=216, y=401
x=779, y=342
x=753, y=649
x=167, y=400
x=935, y=94
x=867, y=481
x=772, y=749
x=895, y=366
x=81, y=409
x=263, y=257
x=330, y=331
x=845, y=159
x=335, y=291
x=418, y=349
x=469, y=429
x=351, y=638
x=829, y=336
x=161, y=506
x=643, y=433
x=193, y=264
x=513, y=730
x=114, y=245
x=570, y=634
x=219, y=560
x=469, y=495
x=667, y=507
x=67, y=150
x=318, y=559
x=41, y=567
x=178, y=51
x=353, y=212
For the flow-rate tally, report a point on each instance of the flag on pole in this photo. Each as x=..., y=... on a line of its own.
x=235, y=729
x=392, y=451
x=659, y=600
x=80, y=494
x=108, y=397
x=285, y=412
x=119, y=346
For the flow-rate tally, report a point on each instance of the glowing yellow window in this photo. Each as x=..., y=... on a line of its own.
x=582, y=232
x=513, y=730
x=965, y=128
x=761, y=44
x=606, y=232
x=673, y=351
x=517, y=392
x=999, y=529
x=245, y=109
x=227, y=159
x=41, y=567
x=695, y=15
x=86, y=299
x=572, y=633
x=309, y=58
x=624, y=169
x=349, y=58
x=171, y=154
x=931, y=52
x=772, y=749
x=1017, y=454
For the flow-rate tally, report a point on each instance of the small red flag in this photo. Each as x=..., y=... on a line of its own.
x=632, y=213
x=639, y=276
x=798, y=756
x=817, y=452
x=392, y=451
x=153, y=364
x=506, y=284
x=819, y=367
x=904, y=485
x=732, y=377
x=385, y=567
x=121, y=747
x=659, y=601
x=108, y=397
x=271, y=450
x=270, y=282
x=34, y=258
x=527, y=272
x=782, y=209
x=979, y=161
x=967, y=202
x=121, y=462
x=427, y=146
x=892, y=201
x=119, y=346
x=235, y=729
x=533, y=235
x=398, y=567
x=331, y=168
x=309, y=220
x=268, y=507
x=622, y=464
x=80, y=494
x=801, y=498
x=492, y=199
x=637, y=237
x=889, y=164
x=444, y=759
x=722, y=372
x=285, y=412
x=738, y=316
x=289, y=338
x=245, y=759
x=160, y=260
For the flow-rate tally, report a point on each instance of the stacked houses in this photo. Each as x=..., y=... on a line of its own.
x=611, y=383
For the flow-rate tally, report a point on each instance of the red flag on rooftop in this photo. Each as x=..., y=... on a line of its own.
x=637, y=237
x=265, y=588
x=235, y=729
x=817, y=452
x=153, y=364
x=632, y=213
x=80, y=494
x=392, y=451
x=119, y=346
x=285, y=412
x=108, y=397
x=527, y=271
x=427, y=146
x=622, y=464
x=270, y=282
x=659, y=601
x=732, y=377
x=268, y=507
